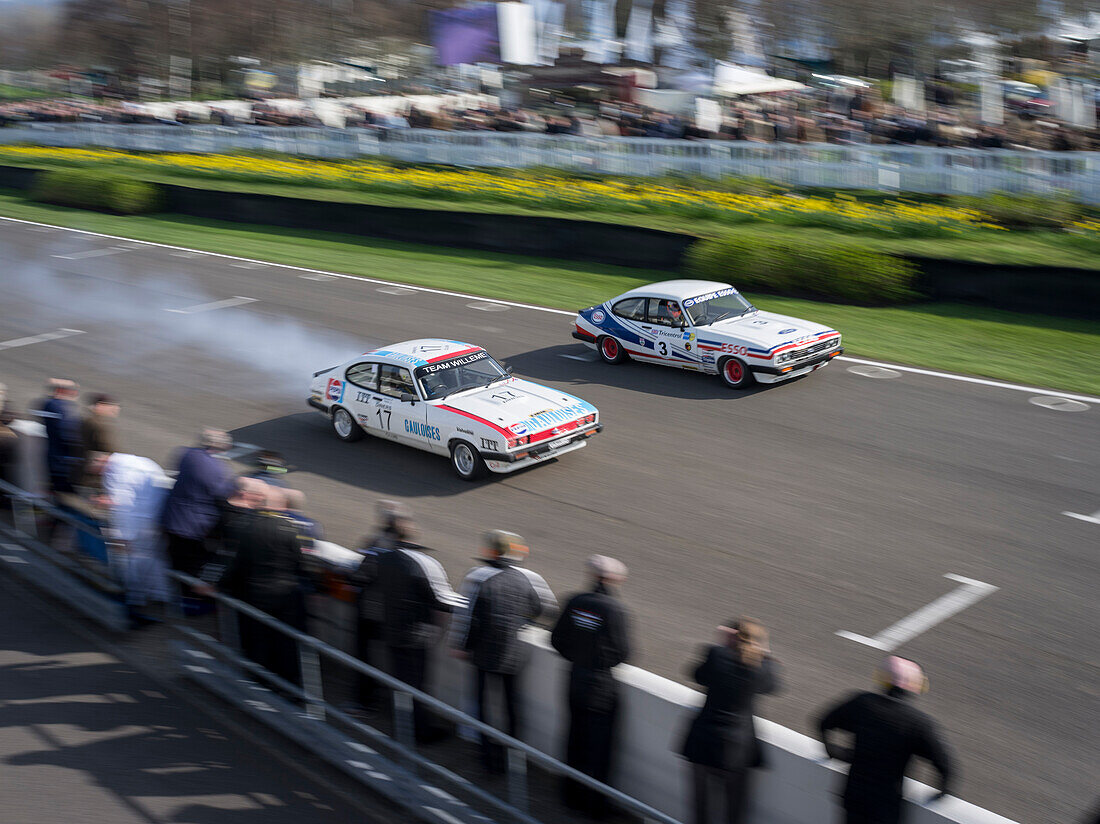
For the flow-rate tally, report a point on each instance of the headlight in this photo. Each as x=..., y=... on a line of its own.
x=521, y=441
x=784, y=357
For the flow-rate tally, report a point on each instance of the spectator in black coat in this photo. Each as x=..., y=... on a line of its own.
x=394, y=530
x=61, y=417
x=266, y=572
x=416, y=597
x=888, y=732
x=501, y=597
x=592, y=634
x=721, y=743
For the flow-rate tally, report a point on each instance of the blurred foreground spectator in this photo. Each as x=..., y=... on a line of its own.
x=592, y=634
x=266, y=572
x=887, y=733
x=62, y=421
x=501, y=598
x=203, y=484
x=721, y=743
x=97, y=432
x=416, y=598
x=134, y=491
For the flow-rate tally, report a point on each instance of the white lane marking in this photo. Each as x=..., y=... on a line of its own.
x=13, y=559
x=1059, y=403
x=12, y=548
x=218, y=304
x=583, y=358
x=114, y=250
x=317, y=277
x=487, y=306
x=438, y=793
x=361, y=747
x=185, y=254
x=966, y=379
x=447, y=293
x=60, y=333
x=447, y=817
x=396, y=290
x=1094, y=518
x=874, y=372
x=908, y=628
x=249, y=264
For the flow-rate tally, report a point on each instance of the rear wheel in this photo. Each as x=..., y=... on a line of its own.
x=735, y=374
x=467, y=461
x=345, y=427
x=611, y=351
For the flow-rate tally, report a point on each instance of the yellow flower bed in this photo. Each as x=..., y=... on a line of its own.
x=898, y=217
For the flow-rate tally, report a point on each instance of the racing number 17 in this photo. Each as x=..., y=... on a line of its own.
x=383, y=424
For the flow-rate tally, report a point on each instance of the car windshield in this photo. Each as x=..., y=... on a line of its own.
x=438, y=380
x=716, y=306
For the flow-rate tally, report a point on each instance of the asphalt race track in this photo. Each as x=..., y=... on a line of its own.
x=836, y=502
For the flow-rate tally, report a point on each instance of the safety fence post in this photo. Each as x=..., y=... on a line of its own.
x=311, y=681
x=403, y=723
x=517, y=779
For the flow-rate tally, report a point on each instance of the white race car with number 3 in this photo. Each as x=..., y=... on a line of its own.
x=453, y=399
x=705, y=326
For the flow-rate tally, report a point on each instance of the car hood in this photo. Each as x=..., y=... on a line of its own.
x=765, y=330
x=520, y=405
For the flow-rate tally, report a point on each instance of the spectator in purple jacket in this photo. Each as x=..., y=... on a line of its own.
x=202, y=486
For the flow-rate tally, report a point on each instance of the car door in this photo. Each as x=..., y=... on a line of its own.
x=664, y=325
x=360, y=394
x=400, y=420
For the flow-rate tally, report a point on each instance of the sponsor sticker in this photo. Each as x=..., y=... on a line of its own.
x=423, y=430
x=451, y=364
x=518, y=429
x=598, y=316
x=335, y=390
x=786, y=331
x=710, y=296
x=489, y=443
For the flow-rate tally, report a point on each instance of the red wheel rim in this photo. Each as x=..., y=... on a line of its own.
x=610, y=348
x=734, y=371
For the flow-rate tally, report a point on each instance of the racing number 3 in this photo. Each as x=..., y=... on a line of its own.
x=383, y=423
x=662, y=347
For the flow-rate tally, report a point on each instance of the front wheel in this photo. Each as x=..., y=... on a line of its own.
x=345, y=427
x=467, y=461
x=611, y=351
x=735, y=374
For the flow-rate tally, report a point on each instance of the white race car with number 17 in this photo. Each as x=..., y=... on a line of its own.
x=705, y=326
x=453, y=399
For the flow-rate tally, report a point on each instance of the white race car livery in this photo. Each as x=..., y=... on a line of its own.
x=708, y=327
x=453, y=399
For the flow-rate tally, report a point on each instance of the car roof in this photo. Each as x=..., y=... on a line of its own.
x=421, y=351
x=676, y=289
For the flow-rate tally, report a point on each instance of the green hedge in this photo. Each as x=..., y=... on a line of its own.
x=1019, y=211
x=842, y=272
x=88, y=189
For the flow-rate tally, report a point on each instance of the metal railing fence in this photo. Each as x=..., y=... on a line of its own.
x=919, y=169
x=25, y=507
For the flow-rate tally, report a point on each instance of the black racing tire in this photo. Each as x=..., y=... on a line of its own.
x=467, y=462
x=345, y=426
x=735, y=373
x=610, y=349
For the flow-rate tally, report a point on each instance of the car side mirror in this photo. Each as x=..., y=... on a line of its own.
x=683, y=324
x=509, y=369
x=407, y=398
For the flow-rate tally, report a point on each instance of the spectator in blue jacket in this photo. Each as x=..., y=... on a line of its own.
x=61, y=417
x=203, y=484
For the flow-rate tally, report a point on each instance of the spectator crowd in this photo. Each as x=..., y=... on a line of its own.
x=248, y=537
x=796, y=117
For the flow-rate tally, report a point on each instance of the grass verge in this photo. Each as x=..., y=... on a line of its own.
x=1021, y=348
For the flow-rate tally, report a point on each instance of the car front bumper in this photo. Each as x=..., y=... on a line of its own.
x=511, y=461
x=773, y=374
x=316, y=404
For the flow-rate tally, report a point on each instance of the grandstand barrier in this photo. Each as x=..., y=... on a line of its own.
x=923, y=169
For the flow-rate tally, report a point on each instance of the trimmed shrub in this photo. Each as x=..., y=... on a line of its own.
x=844, y=272
x=1013, y=211
x=87, y=189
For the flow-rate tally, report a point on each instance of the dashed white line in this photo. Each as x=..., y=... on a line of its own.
x=396, y=290
x=582, y=358
x=447, y=817
x=1094, y=518
x=60, y=333
x=114, y=250
x=447, y=293
x=13, y=559
x=218, y=304
x=487, y=306
x=1059, y=403
x=926, y=617
x=874, y=372
x=317, y=277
